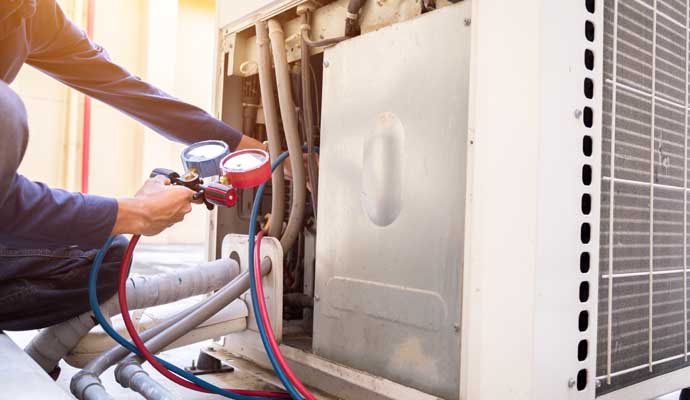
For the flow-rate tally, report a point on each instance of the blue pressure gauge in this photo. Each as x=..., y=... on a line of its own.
x=204, y=158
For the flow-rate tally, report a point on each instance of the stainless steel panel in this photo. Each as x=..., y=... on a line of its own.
x=392, y=193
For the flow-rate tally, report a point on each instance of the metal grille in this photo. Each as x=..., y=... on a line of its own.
x=643, y=310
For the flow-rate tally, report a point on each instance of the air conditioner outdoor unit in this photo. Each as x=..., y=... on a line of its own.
x=559, y=130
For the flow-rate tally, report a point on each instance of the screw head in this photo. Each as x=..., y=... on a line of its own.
x=598, y=383
x=326, y=64
x=468, y=21
x=456, y=327
x=577, y=113
x=571, y=382
x=317, y=298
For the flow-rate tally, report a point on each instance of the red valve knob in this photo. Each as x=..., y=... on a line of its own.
x=219, y=194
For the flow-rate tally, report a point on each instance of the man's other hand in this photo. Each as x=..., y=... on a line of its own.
x=156, y=207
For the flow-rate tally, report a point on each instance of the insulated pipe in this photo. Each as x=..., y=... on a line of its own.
x=82, y=383
x=272, y=128
x=134, y=377
x=97, y=392
x=308, y=103
x=129, y=367
x=287, y=111
x=50, y=345
x=351, y=25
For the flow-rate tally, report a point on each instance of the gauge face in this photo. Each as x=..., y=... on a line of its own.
x=204, y=157
x=245, y=162
x=246, y=168
x=205, y=152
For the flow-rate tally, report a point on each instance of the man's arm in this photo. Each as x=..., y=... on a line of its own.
x=32, y=215
x=63, y=51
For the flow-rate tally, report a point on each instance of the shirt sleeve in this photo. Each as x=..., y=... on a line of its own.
x=63, y=51
x=32, y=215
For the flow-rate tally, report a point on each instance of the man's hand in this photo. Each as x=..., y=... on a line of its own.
x=156, y=207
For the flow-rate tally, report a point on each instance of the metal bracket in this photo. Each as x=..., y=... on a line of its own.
x=237, y=247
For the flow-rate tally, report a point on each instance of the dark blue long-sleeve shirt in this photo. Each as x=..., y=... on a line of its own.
x=36, y=32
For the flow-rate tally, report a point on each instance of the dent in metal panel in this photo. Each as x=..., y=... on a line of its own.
x=391, y=215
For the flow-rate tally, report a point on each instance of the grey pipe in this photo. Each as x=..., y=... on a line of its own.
x=233, y=290
x=134, y=377
x=272, y=128
x=288, y=113
x=323, y=43
x=84, y=384
x=308, y=106
x=97, y=392
x=50, y=345
x=351, y=21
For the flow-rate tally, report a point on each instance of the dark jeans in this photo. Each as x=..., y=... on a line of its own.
x=40, y=288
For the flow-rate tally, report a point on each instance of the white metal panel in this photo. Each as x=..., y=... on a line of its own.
x=520, y=304
x=22, y=378
x=392, y=170
x=237, y=247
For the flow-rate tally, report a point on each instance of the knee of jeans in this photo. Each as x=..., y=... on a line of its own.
x=13, y=120
x=117, y=249
x=110, y=268
x=14, y=133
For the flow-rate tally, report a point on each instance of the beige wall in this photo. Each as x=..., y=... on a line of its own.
x=171, y=44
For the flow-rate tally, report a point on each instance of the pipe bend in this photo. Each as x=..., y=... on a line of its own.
x=292, y=135
x=274, y=27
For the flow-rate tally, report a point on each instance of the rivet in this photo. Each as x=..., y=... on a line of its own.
x=578, y=113
x=571, y=382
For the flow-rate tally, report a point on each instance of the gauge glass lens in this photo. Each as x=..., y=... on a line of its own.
x=244, y=162
x=205, y=152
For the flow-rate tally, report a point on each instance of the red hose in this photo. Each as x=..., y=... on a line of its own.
x=122, y=297
x=269, y=330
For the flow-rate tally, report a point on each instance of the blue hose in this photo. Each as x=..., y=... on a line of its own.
x=93, y=301
x=255, y=300
x=103, y=321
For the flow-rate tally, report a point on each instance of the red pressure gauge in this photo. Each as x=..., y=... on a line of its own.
x=246, y=168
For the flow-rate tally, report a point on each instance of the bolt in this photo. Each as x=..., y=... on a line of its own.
x=578, y=113
x=326, y=64
x=193, y=364
x=468, y=21
x=571, y=383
